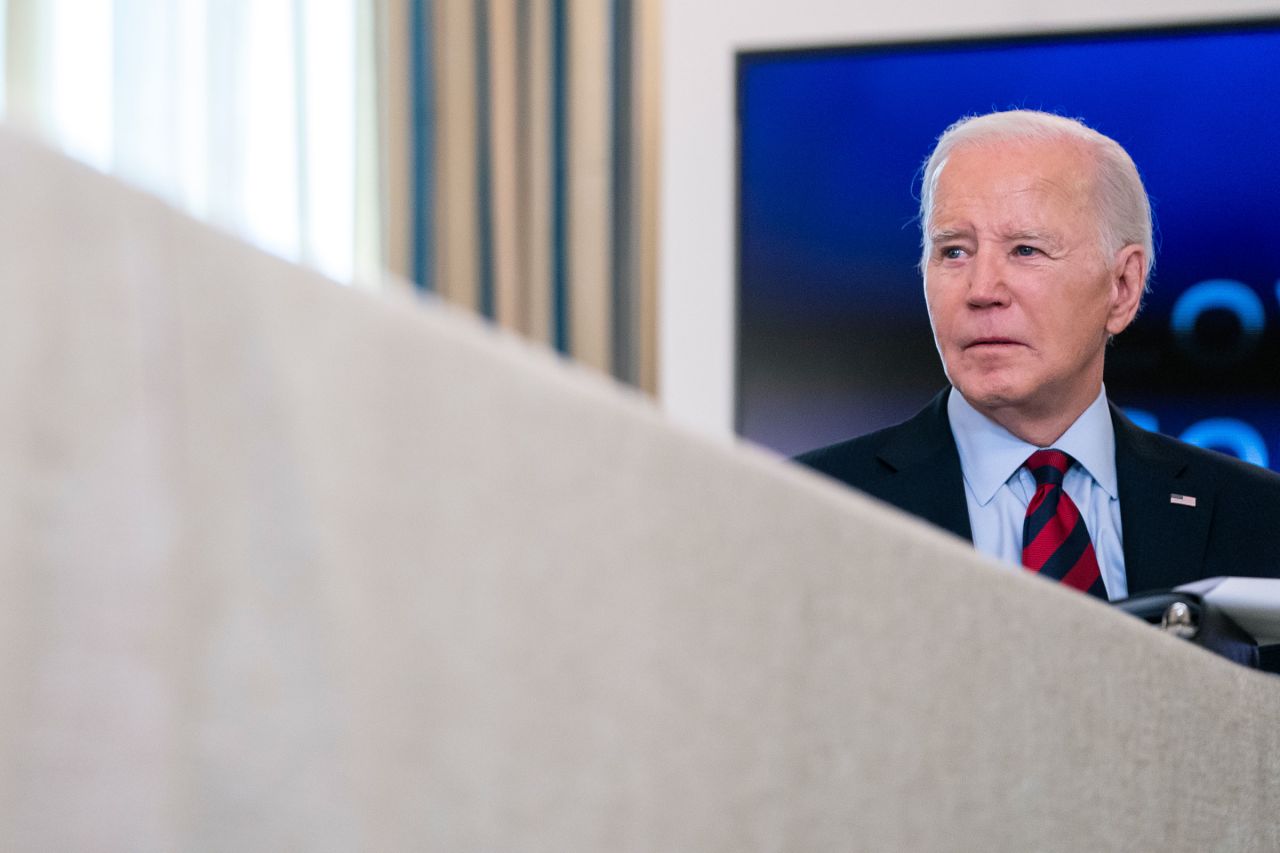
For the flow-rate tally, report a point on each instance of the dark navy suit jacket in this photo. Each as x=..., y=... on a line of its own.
x=1233, y=529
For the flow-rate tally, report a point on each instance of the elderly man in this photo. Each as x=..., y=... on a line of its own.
x=1037, y=247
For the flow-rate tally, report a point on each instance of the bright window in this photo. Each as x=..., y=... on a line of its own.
x=241, y=112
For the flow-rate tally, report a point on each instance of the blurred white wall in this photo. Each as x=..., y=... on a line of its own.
x=696, y=245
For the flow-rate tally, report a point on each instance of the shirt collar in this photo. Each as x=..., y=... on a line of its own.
x=990, y=454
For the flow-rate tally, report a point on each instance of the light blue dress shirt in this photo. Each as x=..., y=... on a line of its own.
x=998, y=489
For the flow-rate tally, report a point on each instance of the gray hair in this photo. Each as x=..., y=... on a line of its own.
x=1124, y=211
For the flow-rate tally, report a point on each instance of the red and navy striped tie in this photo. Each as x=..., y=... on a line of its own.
x=1055, y=541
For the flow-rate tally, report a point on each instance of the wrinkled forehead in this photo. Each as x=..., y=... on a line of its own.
x=1025, y=178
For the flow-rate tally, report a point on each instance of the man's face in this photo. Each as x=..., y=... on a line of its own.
x=1021, y=295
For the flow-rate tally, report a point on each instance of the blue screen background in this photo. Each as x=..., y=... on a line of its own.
x=833, y=339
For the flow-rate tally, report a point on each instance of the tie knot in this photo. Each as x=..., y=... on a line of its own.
x=1048, y=466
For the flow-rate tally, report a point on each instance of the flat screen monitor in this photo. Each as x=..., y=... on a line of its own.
x=832, y=336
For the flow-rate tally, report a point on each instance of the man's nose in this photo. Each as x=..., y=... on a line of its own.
x=988, y=284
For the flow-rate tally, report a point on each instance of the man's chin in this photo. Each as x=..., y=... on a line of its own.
x=992, y=398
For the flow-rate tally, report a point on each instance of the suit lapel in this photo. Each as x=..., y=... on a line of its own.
x=926, y=478
x=1164, y=540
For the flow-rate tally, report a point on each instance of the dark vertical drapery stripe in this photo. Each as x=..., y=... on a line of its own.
x=623, y=224
x=484, y=160
x=559, y=181
x=423, y=144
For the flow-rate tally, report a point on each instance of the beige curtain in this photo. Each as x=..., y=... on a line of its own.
x=521, y=155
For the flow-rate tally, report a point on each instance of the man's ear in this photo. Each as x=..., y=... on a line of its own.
x=1128, y=279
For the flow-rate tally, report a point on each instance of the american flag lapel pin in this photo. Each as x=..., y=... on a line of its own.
x=1182, y=500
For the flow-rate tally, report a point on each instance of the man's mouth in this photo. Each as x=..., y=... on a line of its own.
x=993, y=342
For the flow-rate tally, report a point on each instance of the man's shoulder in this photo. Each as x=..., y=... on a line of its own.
x=913, y=465
x=1192, y=513
x=870, y=456
x=1217, y=468
x=855, y=453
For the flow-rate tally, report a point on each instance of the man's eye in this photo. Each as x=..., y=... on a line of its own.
x=1026, y=251
x=950, y=253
